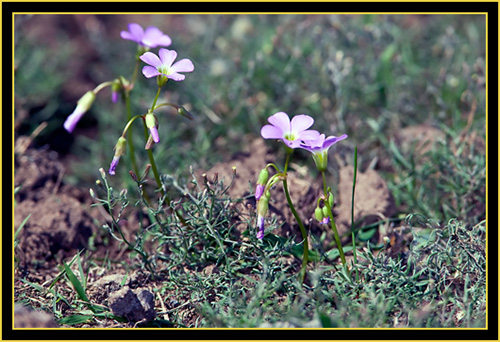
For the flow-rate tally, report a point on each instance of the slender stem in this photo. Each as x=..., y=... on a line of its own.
x=352, y=210
x=157, y=177
x=153, y=163
x=144, y=254
x=305, y=257
x=156, y=99
x=102, y=86
x=130, y=136
x=332, y=221
x=134, y=75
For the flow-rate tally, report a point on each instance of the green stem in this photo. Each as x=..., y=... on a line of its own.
x=130, y=141
x=332, y=221
x=153, y=163
x=352, y=210
x=144, y=254
x=102, y=86
x=157, y=177
x=156, y=99
x=305, y=257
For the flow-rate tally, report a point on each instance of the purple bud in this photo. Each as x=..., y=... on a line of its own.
x=325, y=220
x=259, y=190
x=260, y=224
x=113, y=165
x=154, y=134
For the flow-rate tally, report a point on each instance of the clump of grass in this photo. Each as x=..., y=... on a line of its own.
x=448, y=181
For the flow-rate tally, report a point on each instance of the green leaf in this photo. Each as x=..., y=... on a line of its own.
x=366, y=235
x=75, y=319
x=16, y=241
x=78, y=286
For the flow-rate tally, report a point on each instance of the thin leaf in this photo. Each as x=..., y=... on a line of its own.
x=77, y=286
x=16, y=241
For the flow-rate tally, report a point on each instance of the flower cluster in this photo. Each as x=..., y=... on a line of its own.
x=161, y=65
x=294, y=133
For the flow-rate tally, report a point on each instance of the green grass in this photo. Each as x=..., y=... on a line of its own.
x=368, y=76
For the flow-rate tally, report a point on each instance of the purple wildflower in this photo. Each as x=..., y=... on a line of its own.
x=261, y=183
x=259, y=190
x=262, y=208
x=293, y=132
x=150, y=38
x=151, y=125
x=114, y=164
x=82, y=106
x=161, y=65
x=120, y=148
x=325, y=220
x=114, y=96
x=319, y=148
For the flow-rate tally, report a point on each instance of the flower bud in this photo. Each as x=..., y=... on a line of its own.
x=151, y=125
x=120, y=149
x=261, y=183
x=331, y=200
x=82, y=106
x=116, y=86
x=325, y=211
x=182, y=111
x=318, y=213
x=262, y=208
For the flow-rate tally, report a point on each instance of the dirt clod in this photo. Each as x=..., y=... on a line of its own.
x=135, y=305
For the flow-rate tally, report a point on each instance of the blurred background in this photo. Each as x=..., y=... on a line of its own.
x=369, y=76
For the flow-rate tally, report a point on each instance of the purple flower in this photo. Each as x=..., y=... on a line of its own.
x=162, y=65
x=292, y=133
x=151, y=125
x=150, y=38
x=82, y=106
x=325, y=220
x=120, y=148
x=260, y=224
x=319, y=148
x=114, y=164
x=259, y=191
x=262, y=208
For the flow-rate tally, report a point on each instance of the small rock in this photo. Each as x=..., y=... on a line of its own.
x=137, y=305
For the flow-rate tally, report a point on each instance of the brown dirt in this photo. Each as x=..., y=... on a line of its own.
x=373, y=201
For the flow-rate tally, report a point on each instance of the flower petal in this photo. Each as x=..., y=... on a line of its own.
x=167, y=57
x=301, y=122
x=149, y=71
x=184, y=65
x=136, y=30
x=308, y=136
x=151, y=59
x=129, y=36
x=281, y=121
x=153, y=37
x=176, y=76
x=271, y=132
x=73, y=119
x=332, y=140
x=292, y=143
x=113, y=165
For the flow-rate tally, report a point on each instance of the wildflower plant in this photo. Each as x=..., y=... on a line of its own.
x=161, y=66
x=295, y=133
